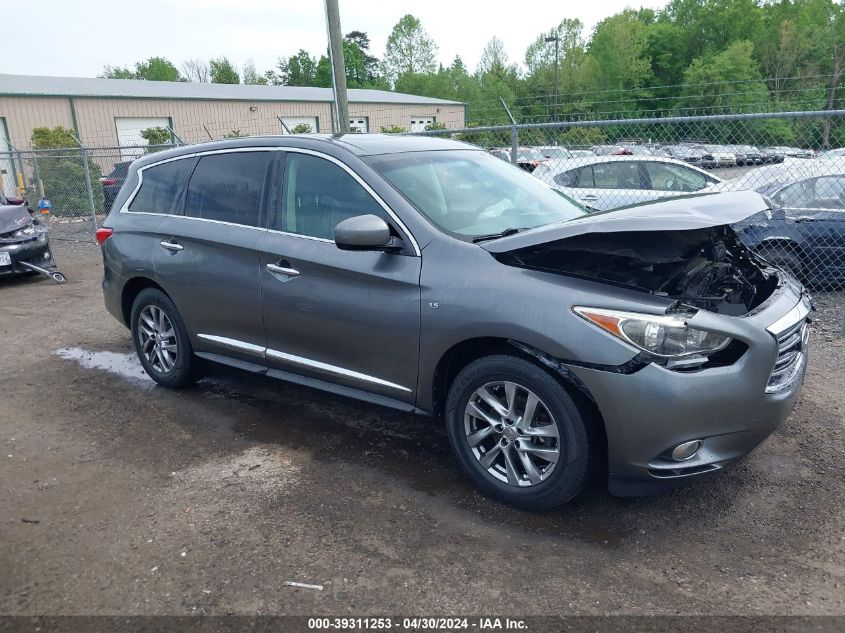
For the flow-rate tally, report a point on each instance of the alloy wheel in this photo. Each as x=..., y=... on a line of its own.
x=512, y=433
x=158, y=339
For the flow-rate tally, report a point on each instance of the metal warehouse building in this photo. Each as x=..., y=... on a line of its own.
x=112, y=112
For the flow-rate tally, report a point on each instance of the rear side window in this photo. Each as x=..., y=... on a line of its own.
x=621, y=175
x=160, y=187
x=228, y=187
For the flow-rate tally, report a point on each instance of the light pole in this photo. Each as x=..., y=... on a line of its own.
x=556, y=40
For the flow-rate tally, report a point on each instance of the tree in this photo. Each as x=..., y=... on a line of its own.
x=409, y=49
x=63, y=174
x=117, y=72
x=618, y=62
x=250, y=75
x=153, y=69
x=156, y=137
x=195, y=70
x=222, y=71
x=371, y=64
x=297, y=70
x=301, y=128
x=236, y=133
x=494, y=58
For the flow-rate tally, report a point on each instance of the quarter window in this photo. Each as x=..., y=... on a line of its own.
x=160, y=187
x=228, y=187
x=319, y=194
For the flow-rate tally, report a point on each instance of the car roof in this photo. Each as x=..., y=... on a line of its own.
x=788, y=172
x=358, y=144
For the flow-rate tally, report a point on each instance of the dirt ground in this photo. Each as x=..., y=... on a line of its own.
x=119, y=497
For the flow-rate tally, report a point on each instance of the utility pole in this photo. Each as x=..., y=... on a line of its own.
x=556, y=39
x=341, y=105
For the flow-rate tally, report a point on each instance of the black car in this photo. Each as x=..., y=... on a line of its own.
x=114, y=181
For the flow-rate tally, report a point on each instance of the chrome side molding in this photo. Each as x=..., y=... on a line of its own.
x=265, y=352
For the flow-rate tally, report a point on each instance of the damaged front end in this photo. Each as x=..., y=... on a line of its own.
x=24, y=243
x=706, y=268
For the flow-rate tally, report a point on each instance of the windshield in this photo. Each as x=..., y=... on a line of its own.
x=470, y=193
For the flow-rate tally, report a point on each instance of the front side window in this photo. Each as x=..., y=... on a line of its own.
x=160, y=187
x=830, y=192
x=318, y=194
x=228, y=187
x=470, y=193
x=798, y=195
x=669, y=177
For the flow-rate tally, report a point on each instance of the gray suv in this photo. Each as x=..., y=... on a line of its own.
x=423, y=274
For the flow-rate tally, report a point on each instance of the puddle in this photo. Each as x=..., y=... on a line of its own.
x=126, y=366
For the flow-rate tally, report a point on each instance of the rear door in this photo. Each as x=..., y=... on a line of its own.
x=207, y=257
x=610, y=185
x=350, y=318
x=819, y=215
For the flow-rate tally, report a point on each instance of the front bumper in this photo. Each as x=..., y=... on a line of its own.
x=35, y=251
x=650, y=411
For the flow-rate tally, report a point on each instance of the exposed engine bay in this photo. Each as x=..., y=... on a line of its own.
x=705, y=268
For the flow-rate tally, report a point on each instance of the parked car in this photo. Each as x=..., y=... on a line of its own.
x=527, y=158
x=610, y=182
x=612, y=150
x=426, y=275
x=805, y=230
x=793, y=152
x=581, y=153
x=686, y=153
x=113, y=181
x=774, y=155
x=718, y=156
x=554, y=152
x=746, y=155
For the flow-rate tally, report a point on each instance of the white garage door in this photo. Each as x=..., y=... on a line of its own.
x=292, y=121
x=359, y=125
x=418, y=123
x=129, y=133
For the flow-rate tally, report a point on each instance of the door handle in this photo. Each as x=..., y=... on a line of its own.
x=281, y=270
x=172, y=245
x=589, y=196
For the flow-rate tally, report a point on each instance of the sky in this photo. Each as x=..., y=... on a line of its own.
x=77, y=38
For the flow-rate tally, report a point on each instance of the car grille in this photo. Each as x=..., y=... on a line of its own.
x=792, y=347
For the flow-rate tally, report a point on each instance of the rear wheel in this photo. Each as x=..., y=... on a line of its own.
x=517, y=433
x=161, y=340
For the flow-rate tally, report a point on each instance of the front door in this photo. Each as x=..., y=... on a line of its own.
x=349, y=318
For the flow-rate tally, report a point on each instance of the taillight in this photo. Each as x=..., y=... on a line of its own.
x=108, y=181
x=102, y=235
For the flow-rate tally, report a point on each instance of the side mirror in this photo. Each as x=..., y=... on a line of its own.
x=365, y=233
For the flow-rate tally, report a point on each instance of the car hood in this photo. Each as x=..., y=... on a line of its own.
x=13, y=217
x=697, y=211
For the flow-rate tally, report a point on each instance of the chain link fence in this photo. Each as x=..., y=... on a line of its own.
x=604, y=164
x=609, y=164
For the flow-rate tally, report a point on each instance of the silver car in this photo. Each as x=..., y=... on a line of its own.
x=426, y=275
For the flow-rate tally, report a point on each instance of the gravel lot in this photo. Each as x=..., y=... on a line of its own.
x=119, y=497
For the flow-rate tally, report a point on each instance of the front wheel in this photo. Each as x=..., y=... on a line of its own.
x=517, y=433
x=161, y=340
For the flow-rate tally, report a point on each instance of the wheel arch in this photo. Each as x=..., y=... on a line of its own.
x=463, y=353
x=132, y=289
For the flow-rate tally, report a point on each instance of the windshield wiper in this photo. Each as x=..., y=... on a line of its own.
x=495, y=236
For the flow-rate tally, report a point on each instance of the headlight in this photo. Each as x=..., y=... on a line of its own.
x=27, y=231
x=663, y=336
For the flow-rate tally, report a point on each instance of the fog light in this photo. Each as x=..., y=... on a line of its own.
x=685, y=451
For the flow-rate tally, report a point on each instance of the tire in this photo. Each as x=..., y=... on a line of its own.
x=511, y=483
x=783, y=256
x=177, y=366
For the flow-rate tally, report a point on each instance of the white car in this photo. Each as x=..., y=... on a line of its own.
x=719, y=156
x=609, y=182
